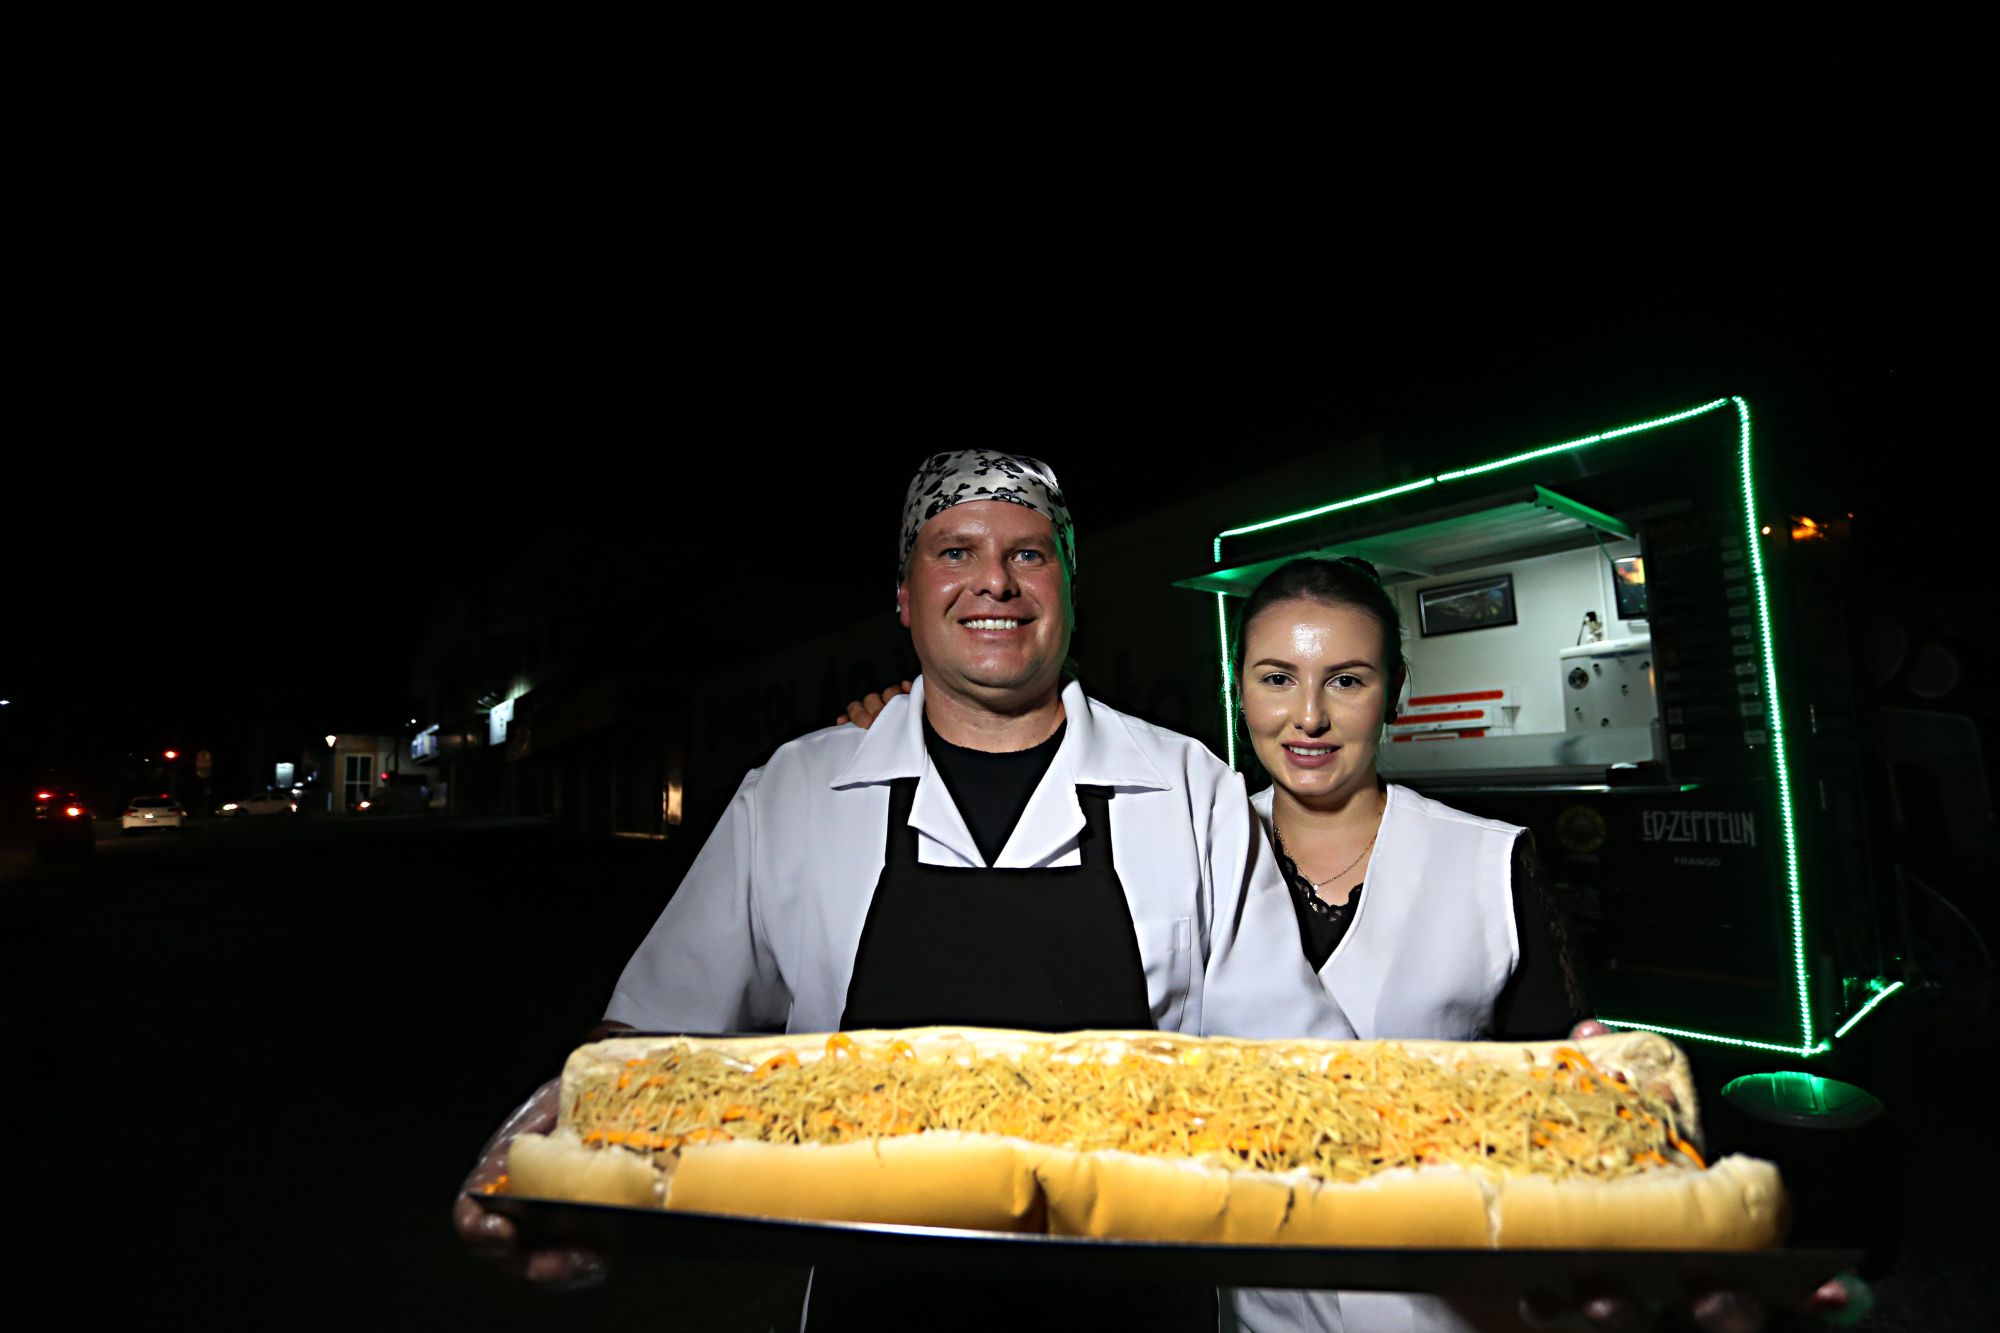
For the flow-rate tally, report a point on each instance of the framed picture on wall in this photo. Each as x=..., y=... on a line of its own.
x=1628, y=583
x=1486, y=603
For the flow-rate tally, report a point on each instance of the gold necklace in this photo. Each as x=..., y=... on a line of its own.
x=1338, y=873
x=1316, y=883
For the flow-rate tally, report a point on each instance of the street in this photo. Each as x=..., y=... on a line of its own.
x=256, y=1059
x=259, y=1056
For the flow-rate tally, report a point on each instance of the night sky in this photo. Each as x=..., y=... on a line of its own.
x=304, y=372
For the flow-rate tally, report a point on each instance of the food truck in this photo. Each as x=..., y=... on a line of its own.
x=1617, y=643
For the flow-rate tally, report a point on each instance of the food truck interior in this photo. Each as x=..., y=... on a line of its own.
x=1616, y=642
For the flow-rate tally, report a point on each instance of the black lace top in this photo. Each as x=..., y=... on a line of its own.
x=1322, y=925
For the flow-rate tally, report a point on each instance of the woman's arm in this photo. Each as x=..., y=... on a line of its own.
x=1542, y=999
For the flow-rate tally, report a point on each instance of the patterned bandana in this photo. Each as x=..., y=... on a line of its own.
x=964, y=475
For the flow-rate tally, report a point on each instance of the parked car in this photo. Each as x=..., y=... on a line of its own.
x=263, y=803
x=152, y=812
x=62, y=823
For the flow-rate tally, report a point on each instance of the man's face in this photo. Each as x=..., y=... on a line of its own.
x=987, y=605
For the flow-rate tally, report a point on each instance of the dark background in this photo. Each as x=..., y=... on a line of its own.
x=299, y=345
x=263, y=527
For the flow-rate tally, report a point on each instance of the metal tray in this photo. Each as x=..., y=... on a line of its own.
x=1781, y=1277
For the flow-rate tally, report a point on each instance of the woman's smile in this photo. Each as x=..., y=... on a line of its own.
x=1307, y=755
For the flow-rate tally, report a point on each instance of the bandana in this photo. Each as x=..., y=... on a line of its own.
x=965, y=475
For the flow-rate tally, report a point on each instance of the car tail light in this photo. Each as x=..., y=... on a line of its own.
x=132, y=812
x=74, y=811
x=45, y=796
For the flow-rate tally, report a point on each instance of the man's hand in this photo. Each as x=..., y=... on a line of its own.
x=495, y=1235
x=1842, y=1300
x=862, y=712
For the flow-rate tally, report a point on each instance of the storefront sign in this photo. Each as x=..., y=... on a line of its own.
x=497, y=720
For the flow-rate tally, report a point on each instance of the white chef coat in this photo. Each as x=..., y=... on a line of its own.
x=1431, y=946
x=763, y=930
x=1434, y=939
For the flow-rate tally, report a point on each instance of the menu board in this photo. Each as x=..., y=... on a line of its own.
x=1707, y=648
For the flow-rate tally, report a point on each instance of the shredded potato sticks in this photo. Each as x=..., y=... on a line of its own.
x=1369, y=1108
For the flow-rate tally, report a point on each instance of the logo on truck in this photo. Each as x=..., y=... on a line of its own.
x=1721, y=827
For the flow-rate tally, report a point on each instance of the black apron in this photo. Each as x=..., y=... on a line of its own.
x=1047, y=950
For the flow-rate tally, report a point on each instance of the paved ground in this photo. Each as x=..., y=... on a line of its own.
x=255, y=1060
x=220, y=1031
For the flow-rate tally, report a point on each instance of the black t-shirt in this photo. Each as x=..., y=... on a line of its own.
x=991, y=790
x=1541, y=999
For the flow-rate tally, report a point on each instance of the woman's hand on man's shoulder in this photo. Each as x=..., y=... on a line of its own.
x=862, y=712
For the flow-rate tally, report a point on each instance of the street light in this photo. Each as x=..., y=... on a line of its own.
x=330, y=740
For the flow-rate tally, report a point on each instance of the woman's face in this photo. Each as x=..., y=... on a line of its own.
x=1315, y=692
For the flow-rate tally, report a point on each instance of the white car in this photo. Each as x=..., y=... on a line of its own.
x=264, y=803
x=152, y=812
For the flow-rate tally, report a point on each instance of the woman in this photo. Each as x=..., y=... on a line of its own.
x=1421, y=920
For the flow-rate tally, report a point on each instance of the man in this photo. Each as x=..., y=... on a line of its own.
x=998, y=849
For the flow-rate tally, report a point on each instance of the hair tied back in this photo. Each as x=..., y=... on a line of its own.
x=1356, y=563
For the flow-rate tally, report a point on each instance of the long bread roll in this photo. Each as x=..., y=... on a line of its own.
x=1158, y=1136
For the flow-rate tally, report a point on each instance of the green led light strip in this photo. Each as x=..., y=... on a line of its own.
x=1408, y=486
x=1323, y=509
x=1806, y=1052
x=1867, y=1008
x=1228, y=673
x=1780, y=764
x=1599, y=438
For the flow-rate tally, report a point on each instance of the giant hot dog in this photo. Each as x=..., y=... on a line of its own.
x=1158, y=1136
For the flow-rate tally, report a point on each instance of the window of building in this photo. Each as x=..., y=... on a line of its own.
x=360, y=779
